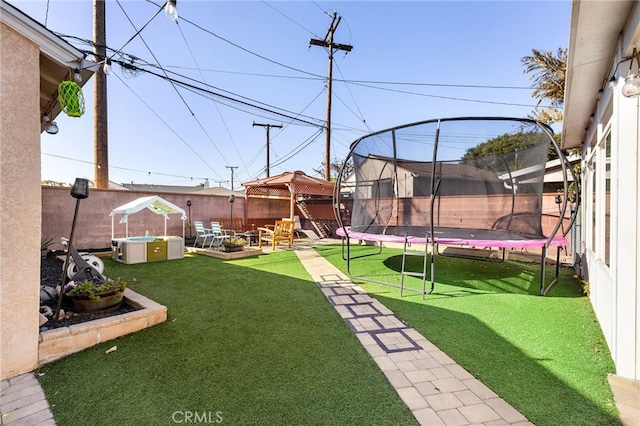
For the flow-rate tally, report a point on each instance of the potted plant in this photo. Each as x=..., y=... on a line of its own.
x=92, y=295
x=44, y=246
x=233, y=244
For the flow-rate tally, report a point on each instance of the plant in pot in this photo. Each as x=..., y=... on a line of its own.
x=233, y=244
x=94, y=294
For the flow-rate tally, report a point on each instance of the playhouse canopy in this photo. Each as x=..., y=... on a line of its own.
x=154, y=203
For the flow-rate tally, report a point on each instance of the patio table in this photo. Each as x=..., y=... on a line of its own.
x=251, y=236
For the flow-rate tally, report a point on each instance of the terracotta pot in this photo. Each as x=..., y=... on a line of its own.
x=109, y=300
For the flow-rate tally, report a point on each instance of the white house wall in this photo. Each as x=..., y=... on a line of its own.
x=615, y=291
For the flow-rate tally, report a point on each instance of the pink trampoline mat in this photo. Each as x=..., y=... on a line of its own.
x=557, y=241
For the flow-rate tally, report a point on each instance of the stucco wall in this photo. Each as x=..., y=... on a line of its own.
x=20, y=206
x=93, y=224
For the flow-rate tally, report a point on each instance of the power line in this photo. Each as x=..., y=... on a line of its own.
x=126, y=168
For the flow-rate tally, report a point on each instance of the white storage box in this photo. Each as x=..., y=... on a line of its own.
x=175, y=248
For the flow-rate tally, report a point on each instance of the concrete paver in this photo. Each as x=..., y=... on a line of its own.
x=22, y=402
x=436, y=389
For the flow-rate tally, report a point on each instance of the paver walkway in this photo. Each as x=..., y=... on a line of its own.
x=22, y=402
x=436, y=389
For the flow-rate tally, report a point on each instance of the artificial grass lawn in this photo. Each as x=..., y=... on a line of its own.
x=546, y=356
x=250, y=341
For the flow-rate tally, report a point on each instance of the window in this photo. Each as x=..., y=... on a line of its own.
x=607, y=199
x=600, y=202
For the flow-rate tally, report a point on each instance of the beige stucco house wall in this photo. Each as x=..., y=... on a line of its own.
x=31, y=58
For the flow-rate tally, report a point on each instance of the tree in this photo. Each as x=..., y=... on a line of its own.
x=549, y=73
x=548, y=83
x=334, y=169
x=54, y=183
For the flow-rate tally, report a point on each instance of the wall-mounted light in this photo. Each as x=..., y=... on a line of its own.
x=77, y=77
x=170, y=9
x=631, y=87
x=51, y=127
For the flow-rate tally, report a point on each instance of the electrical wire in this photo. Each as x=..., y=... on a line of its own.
x=184, y=101
x=270, y=109
x=235, y=146
x=125, y=168
x=169, y=127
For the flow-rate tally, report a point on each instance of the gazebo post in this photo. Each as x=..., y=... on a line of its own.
x=292, y=196
x=246, y=210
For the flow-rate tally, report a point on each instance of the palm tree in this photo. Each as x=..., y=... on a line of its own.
x=549, y=74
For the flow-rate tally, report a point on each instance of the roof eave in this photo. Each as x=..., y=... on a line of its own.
x=594, y=31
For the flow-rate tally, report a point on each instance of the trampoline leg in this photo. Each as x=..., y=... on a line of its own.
x=348, y=258
x=545, y=289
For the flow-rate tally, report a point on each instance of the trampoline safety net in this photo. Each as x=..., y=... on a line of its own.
x=479, y=178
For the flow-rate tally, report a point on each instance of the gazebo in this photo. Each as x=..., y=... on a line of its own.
x=286, y=186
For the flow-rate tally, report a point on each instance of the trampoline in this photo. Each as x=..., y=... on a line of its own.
x=467, y=181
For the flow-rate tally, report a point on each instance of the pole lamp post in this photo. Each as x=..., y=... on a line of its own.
x=232, y=198
x=79, y=191
x=189, y=207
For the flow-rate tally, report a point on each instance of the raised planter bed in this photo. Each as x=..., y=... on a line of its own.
x=60, y=342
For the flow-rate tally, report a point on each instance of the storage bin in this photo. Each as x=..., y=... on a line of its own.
x=156, y=250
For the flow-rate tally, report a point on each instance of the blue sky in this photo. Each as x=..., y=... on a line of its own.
x=410, y=61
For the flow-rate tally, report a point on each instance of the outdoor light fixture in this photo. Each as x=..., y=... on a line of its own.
x=80, y=189
x=631, y=87
x=51, y=128
x=232, y=198
x=77, y=77
x=170, y=9
x=189, y=206
x=107, y=66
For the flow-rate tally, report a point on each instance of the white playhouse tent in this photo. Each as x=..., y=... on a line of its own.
x=154, y=203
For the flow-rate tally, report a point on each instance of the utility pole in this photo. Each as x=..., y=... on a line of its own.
x=100, y=137
x=231, y=167
x=268, y=126
x=331, y=46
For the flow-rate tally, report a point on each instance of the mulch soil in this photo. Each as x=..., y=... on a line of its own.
x=50, y=274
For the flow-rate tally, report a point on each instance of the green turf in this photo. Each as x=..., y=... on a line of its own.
x=544, y=355
x=250, y=341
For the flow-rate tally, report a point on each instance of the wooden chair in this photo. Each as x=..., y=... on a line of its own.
x=281, y=232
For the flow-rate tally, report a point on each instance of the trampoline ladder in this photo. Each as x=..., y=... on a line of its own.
x=422, y=274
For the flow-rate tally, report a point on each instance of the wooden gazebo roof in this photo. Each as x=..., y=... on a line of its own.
x=288, y=185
